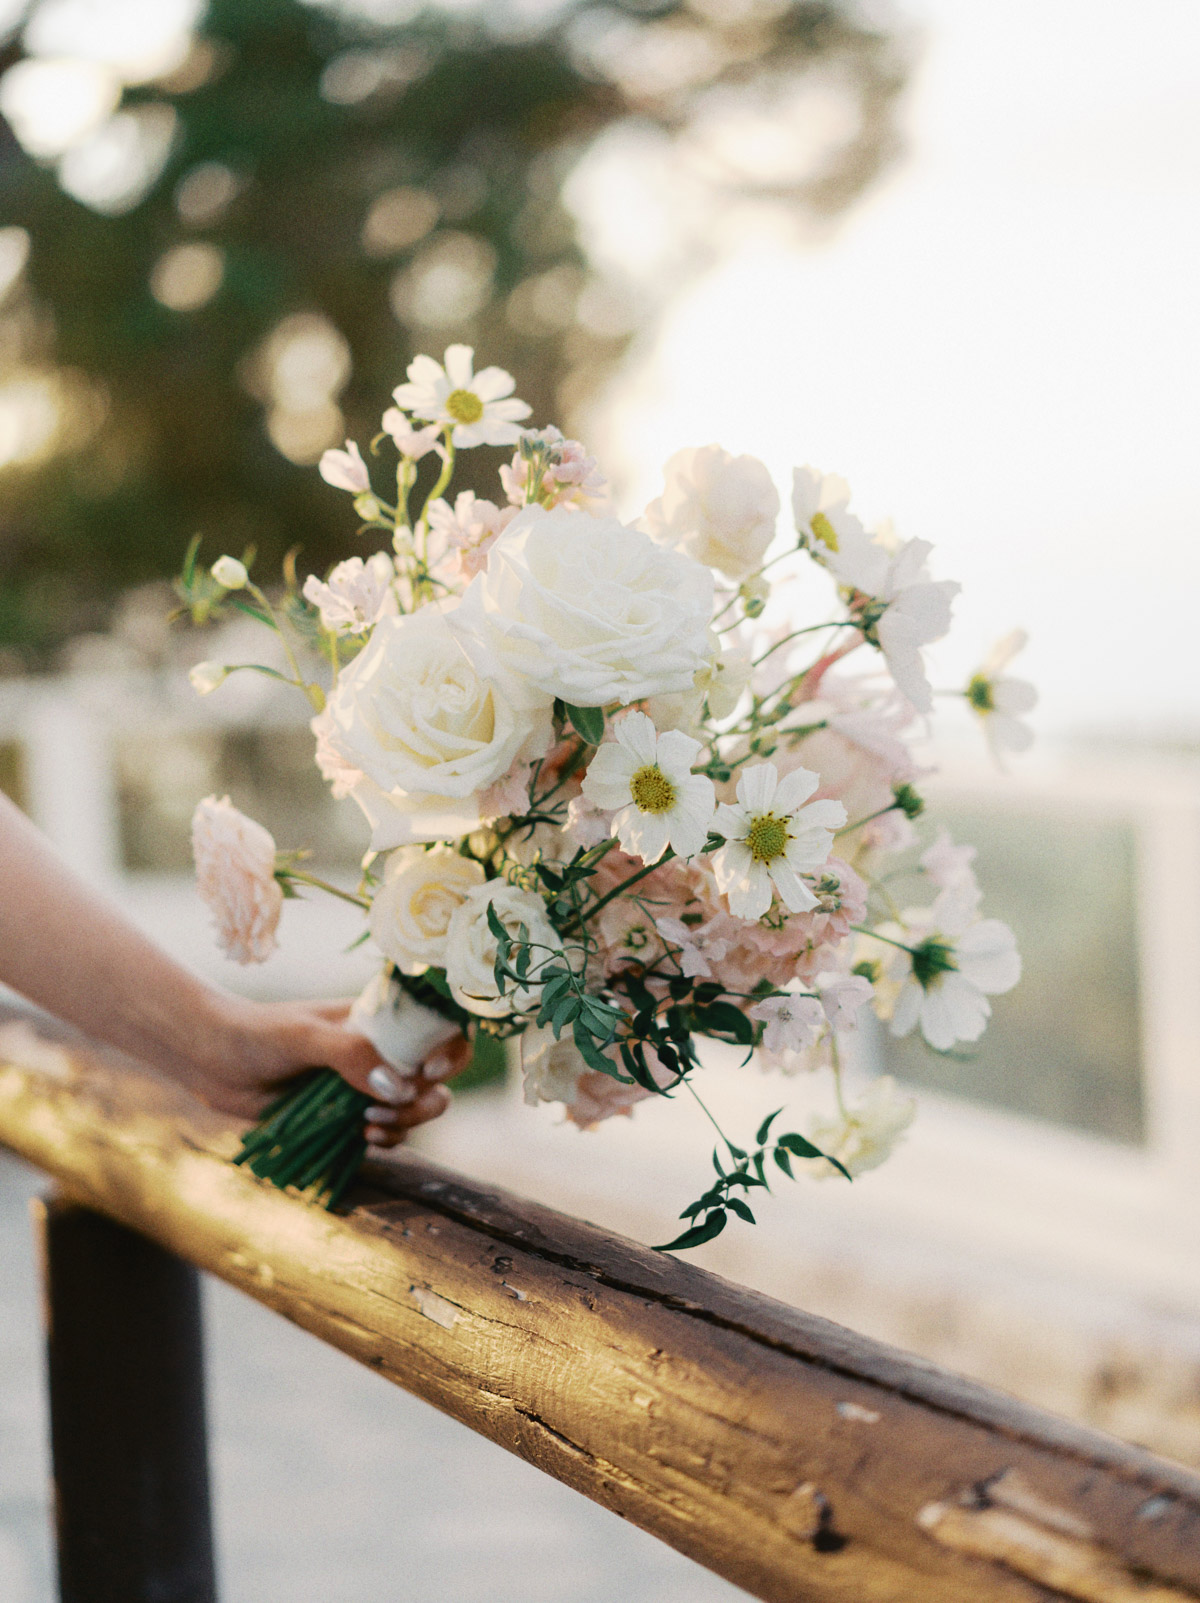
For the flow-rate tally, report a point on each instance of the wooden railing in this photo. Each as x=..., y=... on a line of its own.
x=798, y=1460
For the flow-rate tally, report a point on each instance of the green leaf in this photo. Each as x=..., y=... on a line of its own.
x=785, y=1163
x=496, y=926
x=765, y=1126
x=725, y=1019
x=587, y=721
x=736, y=1205
x=805, y=1149
x=591, y=1053
x=698, y=1234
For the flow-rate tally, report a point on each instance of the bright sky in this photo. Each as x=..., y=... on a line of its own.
x=1000, y=347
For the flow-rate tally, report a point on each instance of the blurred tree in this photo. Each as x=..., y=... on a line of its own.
x=233, y=270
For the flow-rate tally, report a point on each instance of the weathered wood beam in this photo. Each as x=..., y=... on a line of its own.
x=803, y=1462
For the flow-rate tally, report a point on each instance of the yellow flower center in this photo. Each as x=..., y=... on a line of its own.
x=652, y=791
x=824, y=531
x=981, y=693
x=464, y=406
x=767, y=837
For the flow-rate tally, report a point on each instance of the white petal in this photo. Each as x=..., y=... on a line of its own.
x=492, y=431
x=953, y=1010
x=825, y=814
x=1013, y=697
x=644, y=835
x=491, y=383
x=606, y=782
x=637, y=734
x=756, y=787
x=732, y=864
x=460, y=360
x=676, y=754
x=793, y=789
x=792, y=890
x=751, y=897
x=907, y=1009
x=808, y=850
x=731, y=822
x=987, y=956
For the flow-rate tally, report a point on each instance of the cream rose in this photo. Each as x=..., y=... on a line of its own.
x=235, y=875
x=419, y=724
x=587, y=609
x=421, y=892
x=550, y=1069
x=719, y=509
x=471, y=948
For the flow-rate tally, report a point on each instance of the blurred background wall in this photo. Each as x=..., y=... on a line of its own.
x=948, y=250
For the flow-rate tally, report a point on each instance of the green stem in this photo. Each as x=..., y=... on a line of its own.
x=618, y=889
x=861, y=929
x=859, y=822
x=322, y=885
x=812, y=629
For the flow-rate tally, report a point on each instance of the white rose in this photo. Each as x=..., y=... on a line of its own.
x=413, y=907
x=471, y=948
x=585, y=608
x=550, y=1069
x=426, y=723
x=720, y=509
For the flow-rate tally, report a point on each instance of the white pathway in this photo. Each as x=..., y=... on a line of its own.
x=330, y=1485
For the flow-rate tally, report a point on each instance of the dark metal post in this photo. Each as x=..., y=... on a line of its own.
x=126, y=1414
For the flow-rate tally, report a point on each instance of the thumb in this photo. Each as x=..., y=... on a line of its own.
x=347, y=1053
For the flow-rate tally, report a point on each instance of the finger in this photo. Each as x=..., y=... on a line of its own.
x=388, y=1126
x=334, y=1009
x=448, y=1060
x=351, y=1055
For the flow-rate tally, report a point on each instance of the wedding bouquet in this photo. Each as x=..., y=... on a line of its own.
x=623, y=791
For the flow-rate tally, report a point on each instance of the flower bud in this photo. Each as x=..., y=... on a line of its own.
x=368, y=508
x=231, y=573
x=206, y=676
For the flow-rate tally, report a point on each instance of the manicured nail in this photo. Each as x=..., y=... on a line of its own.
x=389, y=1086
x=436, y=1100
x=382, y=1116
x=376, y=1137
x=438, y=1067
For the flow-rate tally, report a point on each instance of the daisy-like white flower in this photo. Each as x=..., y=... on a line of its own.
x=819, y=507
x=645, y=779
x=951, y=962
x=864, y=1136
x=410, y=442
x=697, y=944
x=345, y=470
x=479, y=407
x=1000, y=700
x=791, y=1023
x=771, y=838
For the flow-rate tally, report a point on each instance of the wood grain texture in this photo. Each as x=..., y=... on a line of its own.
x=804, y=1463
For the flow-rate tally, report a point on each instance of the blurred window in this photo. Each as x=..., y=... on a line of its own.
x=269, y=774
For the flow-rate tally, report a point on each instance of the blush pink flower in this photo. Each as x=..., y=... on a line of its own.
x=235, y=875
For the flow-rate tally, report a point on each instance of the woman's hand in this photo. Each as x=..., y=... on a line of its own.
x=251, y=1049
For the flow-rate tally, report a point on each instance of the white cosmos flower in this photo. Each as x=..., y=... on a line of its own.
x=771, y=838
x=1002, y=701
x=645, y=779
x=356, y=594
x=345, y=470
x=819, y=506
x=864, y=1136
x=952, y=963
x=480, y=407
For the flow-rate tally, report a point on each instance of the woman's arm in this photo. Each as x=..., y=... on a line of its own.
x=74, y=954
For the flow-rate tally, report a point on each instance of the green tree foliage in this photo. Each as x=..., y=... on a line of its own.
x=358, y=189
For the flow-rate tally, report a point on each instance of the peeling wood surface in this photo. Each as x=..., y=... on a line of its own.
x=802, y=1462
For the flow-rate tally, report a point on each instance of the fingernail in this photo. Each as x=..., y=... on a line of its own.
x=382, y=1116
x=436, y=1100
x=376, y=1138
x=437, y=1068
x=389, y=1086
